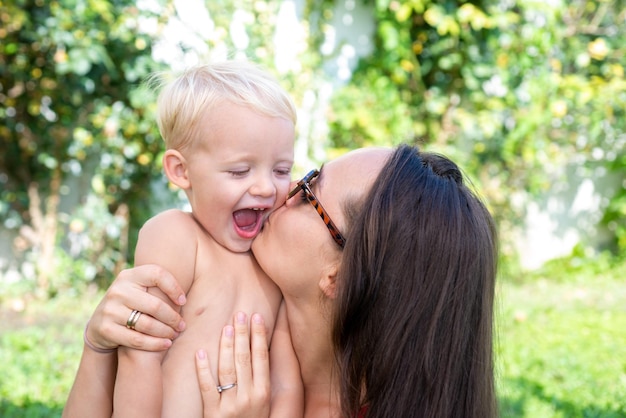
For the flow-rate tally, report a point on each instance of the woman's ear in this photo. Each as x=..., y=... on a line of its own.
x=175, y=166
x=328, y=283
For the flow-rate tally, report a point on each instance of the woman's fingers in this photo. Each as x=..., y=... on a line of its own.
x=243, y=364
x=134, y=339
x=104, y=333
x=158, y=323
x=226, y=369
x=260, y=357
x=210, y=395
x=152, y=327
x=260, y=401
x=228, y=389
x=139, y=279
x=152, y=275
x=243, y=372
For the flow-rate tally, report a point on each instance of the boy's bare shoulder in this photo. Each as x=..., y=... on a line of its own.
x=172, y=227
x=171, y=219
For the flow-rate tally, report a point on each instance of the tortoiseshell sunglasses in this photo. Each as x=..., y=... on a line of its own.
x=305, y=186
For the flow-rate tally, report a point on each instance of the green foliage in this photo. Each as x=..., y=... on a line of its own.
x=582, y=264
x=520, y=93
x=72, y=107
x=515, y=91
x=615, y=213
x=40, y=347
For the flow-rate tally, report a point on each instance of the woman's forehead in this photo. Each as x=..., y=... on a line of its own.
x=359, y=166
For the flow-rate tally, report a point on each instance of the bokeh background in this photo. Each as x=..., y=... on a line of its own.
x=529, y=97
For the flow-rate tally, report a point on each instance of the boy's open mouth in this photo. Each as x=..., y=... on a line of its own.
x=248, y=222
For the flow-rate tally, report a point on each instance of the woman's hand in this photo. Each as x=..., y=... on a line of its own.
x=156, y=326
x=243, y=360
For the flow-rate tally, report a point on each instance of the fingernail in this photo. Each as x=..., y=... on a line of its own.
x=201, y=354
x=241, y=318
x=182, y=300
x=229, y=331
x=257, y=318
x=181, y=325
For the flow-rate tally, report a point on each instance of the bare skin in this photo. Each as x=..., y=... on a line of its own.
x=296, y=232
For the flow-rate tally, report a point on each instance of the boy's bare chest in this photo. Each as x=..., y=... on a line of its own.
x=224, y=284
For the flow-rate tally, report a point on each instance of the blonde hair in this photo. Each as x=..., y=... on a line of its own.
x=202, y=87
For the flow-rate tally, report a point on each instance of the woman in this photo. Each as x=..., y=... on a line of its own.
x=390, y=314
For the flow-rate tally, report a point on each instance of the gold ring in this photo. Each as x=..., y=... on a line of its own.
x=132, y=319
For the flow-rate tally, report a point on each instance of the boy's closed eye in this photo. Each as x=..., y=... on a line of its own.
x=283, y=171
x=239, y=173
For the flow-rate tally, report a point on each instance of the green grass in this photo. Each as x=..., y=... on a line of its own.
x=40, y=347
x=560, y=347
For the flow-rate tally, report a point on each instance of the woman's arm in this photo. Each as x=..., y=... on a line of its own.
x=92, y=392
x=95, y=378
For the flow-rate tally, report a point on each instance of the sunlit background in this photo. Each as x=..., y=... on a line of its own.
x=528, y=97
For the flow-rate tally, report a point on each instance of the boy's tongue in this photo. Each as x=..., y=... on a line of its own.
x=246, y=218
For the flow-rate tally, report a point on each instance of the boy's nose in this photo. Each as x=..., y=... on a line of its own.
x=263, y=186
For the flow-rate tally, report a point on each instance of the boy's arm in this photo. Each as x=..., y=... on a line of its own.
x=286, y=381
x=168, y=239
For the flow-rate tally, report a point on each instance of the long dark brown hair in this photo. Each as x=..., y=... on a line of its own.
x=414, y=314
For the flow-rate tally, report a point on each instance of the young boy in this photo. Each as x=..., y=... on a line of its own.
x=229, y=132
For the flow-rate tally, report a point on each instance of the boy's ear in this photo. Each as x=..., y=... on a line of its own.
x=328, y=283
x=175, y=166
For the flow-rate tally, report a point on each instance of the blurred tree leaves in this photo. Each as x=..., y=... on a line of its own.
x=72, y=106
x=515, y=91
